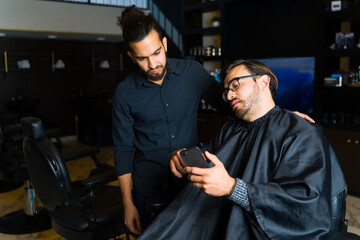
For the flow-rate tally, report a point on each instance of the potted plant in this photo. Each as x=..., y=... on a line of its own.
x=215, y=21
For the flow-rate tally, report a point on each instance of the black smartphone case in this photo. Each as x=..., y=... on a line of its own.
x=193, y=157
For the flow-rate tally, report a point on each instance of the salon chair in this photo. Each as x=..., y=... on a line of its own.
x=13, y=169
x=12, y=164
x=86, y=209
x=339, y=223
x=13, y=174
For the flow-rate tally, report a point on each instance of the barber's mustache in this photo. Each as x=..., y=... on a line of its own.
x=157, y=67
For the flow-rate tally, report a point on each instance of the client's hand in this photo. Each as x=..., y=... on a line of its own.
x=177, y=165
x=214, y=181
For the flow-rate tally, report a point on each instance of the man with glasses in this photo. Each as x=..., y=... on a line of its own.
x=272, y=173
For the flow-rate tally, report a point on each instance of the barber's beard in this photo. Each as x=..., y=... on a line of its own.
x=158, y=76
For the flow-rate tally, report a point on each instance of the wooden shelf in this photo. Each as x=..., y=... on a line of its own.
x=345, y=90
x=204, y=58
x=348, y=14
x=203, y=31
x=77, y=62
x=339, y=100
x=342, y=53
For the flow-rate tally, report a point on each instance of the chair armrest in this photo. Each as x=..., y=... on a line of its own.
x=96, y=180
x=50, y=133
x=18, y=138
x=341, y=236
x=53, y=132
x=10, y=129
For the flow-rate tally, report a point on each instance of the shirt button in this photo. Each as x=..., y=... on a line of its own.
x=167, y=104
x=172, y=136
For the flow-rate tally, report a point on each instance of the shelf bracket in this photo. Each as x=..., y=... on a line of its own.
x=5, y=60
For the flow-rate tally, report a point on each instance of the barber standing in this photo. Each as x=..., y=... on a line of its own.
x=154, y=113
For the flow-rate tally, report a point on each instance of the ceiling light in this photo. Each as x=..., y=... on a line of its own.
x=100, y=39
x=52, y=36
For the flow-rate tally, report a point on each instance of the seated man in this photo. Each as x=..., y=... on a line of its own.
x=273, y=173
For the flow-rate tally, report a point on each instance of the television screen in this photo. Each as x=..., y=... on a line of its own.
x=296, y=82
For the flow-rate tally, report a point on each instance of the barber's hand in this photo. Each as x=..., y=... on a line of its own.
x=304, y=116
x=177, y=165
x=214, y=181
x=132, y=219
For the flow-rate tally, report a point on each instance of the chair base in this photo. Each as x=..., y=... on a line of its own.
x=20, y=223
x=9, y=186
x=105, y=232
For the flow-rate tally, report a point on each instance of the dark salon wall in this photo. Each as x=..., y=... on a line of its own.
x=49, y=94
x=261, y=28
x=280, y=28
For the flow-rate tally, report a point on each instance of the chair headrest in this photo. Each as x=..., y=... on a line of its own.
x=33, y=127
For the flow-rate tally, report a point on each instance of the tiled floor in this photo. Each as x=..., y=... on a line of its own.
x=353, y=213
x=79, y=169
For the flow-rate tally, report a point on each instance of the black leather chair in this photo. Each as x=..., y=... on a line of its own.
x=87, y=209
x=12, y=163
x=338, y=210
x=339, y=224
x=14, y=173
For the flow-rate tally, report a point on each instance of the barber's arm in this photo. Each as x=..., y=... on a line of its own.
x=123, y=149
x=211, y=90
x=131, y=214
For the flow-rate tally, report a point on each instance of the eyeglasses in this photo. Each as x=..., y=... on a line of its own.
x=234, y=85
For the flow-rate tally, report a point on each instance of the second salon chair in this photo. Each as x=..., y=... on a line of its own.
x=87, y=209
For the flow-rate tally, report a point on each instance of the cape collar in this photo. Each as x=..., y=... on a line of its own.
x=250, y=125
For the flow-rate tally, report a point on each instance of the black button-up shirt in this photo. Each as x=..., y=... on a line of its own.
x=157, y=120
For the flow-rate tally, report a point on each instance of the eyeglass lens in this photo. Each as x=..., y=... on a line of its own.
x=234, y=85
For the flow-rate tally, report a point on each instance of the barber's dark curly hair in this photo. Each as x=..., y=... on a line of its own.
x=136, y=25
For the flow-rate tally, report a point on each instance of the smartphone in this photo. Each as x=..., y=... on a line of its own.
x=193, y=157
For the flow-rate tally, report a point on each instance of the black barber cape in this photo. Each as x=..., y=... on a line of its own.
x=291, y=173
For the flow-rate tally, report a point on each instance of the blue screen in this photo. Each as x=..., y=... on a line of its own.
x=296, y=82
